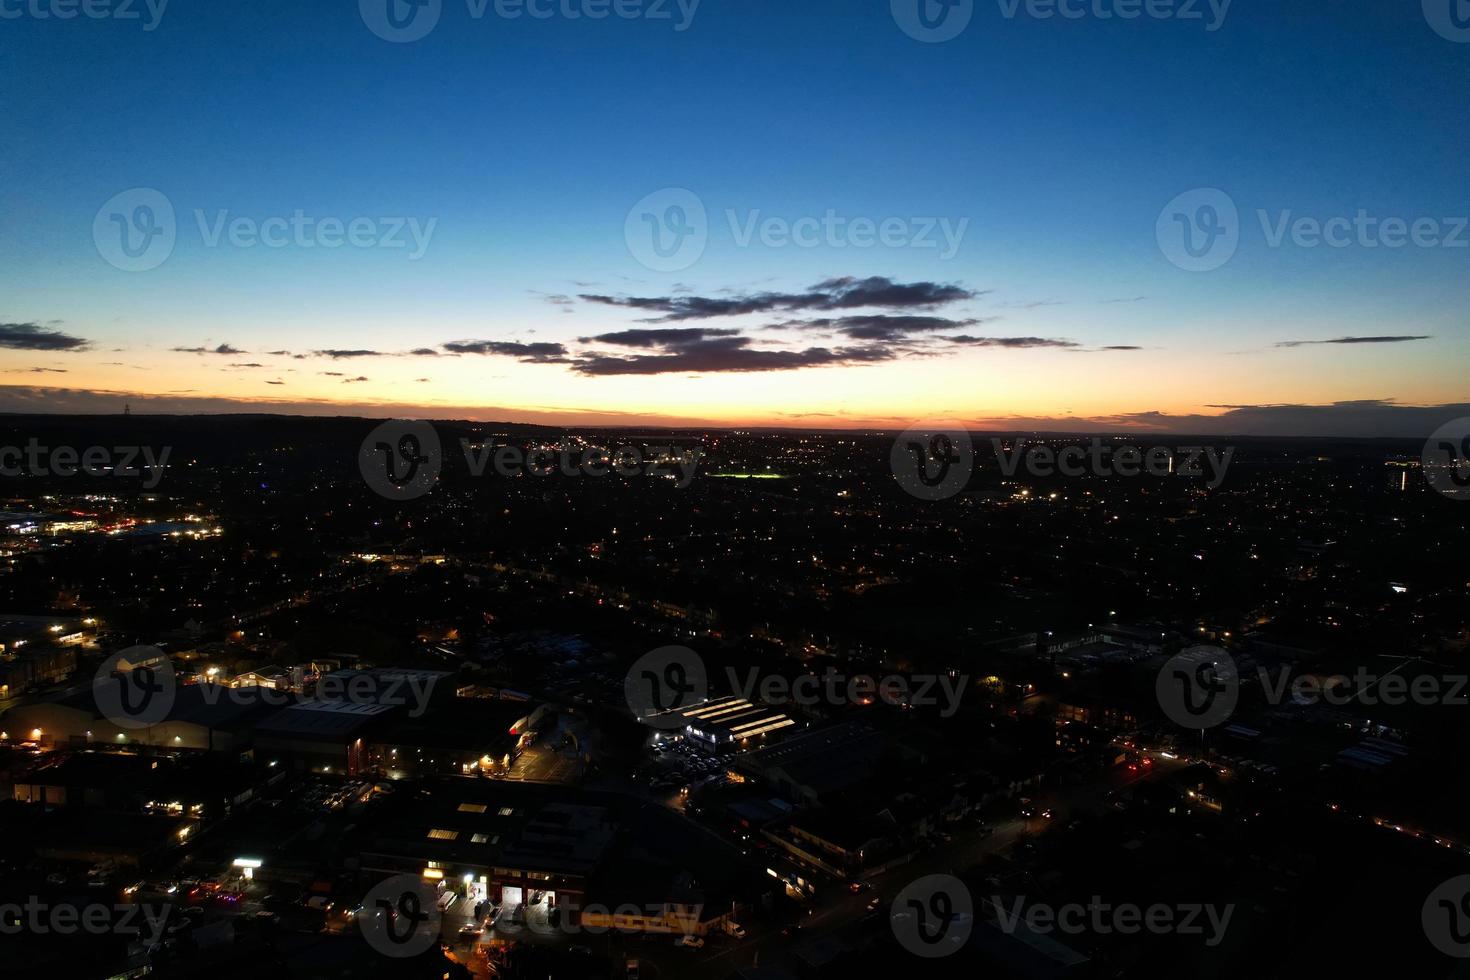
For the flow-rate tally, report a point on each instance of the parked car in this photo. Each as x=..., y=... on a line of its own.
x=735, y=929
x=689, y=941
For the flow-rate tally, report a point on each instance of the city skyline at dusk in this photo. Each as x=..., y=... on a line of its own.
x=729, y=490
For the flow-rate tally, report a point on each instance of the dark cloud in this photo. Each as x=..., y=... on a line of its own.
x=331, y=374
x=845, y=293
x=347, y=355
x=671, y=337
x=1399, y=339
x=279, y=353
x=727, y=354
x=40, y=370
x=879, y=326
x=529, y=353
x=340, y=355
x=275, y=382
x=1013, y=342
x=221, y=349
x=349, y=381
x=1121, y=347
x=33, y=336
x=252, y=364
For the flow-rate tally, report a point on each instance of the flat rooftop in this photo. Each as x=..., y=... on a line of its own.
x=322, y=718
x=735, y=718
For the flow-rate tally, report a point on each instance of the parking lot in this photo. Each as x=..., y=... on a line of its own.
x=680, y=763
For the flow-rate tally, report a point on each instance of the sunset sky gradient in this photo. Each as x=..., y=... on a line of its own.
x=528, y=141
